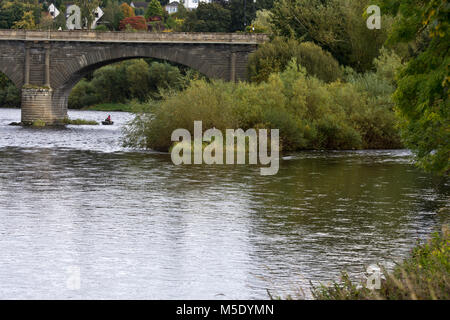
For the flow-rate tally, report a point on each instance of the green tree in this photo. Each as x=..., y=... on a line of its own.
x=422, y=96
x=9, y=93
x=110, y=83
x=27, y=22
x=338, y=26
x=274, y=56
x=208, y=17
x=60, y=20
x=13, y=11
x=138, y=77
x=113, y=15
x=154, y=9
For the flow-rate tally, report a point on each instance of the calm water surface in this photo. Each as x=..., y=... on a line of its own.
x=138, y=227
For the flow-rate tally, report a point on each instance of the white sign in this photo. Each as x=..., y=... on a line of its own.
x=54, y=12
x=98, y=13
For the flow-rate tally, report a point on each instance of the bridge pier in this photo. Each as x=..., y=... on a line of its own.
x=37, y=104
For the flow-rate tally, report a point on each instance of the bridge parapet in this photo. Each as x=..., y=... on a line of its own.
x=133, y=37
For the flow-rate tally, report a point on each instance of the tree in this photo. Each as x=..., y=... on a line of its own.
x=135, y=23
x=88, y=10
x=337, y=26
x=46, y=21
x=13, y=11
x=208, y=17
x=239, y=19
x=138, y=77
x=276, y=55
x=60, y=20
x=127, y=10
x=422, y=96
x=113, y=15
x=154, y=9
x=27, y=22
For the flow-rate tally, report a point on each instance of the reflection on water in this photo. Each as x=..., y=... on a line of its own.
x=139, y=227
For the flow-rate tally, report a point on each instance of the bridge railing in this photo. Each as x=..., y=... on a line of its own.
x=183, y=37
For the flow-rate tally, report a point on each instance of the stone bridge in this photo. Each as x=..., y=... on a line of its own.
x=47, y=64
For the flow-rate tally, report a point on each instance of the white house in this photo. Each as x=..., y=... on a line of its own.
x=172, y=7
x=193, y=4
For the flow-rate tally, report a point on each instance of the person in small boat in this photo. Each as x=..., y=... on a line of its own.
x=108, y=119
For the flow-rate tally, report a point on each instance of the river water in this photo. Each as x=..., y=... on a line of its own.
x=81, y=218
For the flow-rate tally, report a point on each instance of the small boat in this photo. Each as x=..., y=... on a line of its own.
x=107, y=123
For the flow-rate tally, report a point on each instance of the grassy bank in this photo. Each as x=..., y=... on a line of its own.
x=122, y=107
x=425, y=275
x=79, y=122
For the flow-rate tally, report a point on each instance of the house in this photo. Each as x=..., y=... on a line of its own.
x=193, y=4
x=172, y=7
x=139, y=4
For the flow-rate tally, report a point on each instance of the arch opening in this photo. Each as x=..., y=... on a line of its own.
x=10, y=95
x=119, y=81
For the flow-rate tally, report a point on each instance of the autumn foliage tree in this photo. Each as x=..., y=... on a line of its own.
x=135, y=23
x=127, y=10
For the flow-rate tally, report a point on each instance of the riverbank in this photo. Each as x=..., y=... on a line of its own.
x=424, y=275
x=118, y=107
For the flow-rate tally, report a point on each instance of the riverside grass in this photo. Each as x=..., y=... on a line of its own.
x=80, y=122
x=425, y=275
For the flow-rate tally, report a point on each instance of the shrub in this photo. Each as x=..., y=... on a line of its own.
x=101, y=28
x=425, y=275
x=275, y=55
x=135, y=23
x=309, y=113
x=82, y=95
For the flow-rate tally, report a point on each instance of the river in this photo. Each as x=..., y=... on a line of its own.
x=125, y=224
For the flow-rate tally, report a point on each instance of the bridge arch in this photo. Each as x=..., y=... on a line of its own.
x=64, y=76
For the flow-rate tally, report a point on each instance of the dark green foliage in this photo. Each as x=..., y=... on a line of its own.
x=275, y=55
x=422, y=97
x=208, y=17
x=83, y=94
x=13, y=11
x=122, y=82
x=154, y=9
x=337, y=26
x=113, y=15
x=9, y=93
